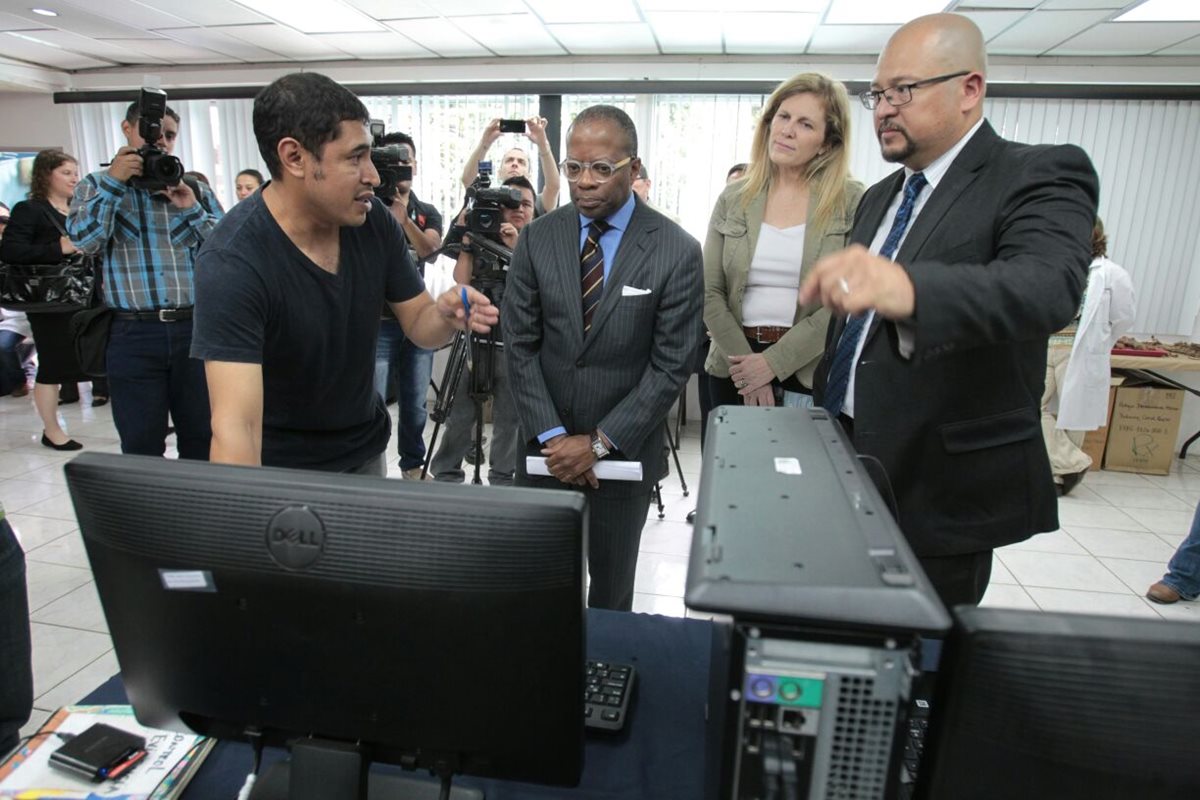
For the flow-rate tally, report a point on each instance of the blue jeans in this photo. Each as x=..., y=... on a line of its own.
x=410, y=366
x=1183, y=573
x=150, y=373
x=12, y=371
x=16, y=654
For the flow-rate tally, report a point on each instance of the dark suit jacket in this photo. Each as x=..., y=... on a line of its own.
x=998, y=258
x=626, y=373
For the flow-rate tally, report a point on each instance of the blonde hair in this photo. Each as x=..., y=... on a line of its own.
x=828, y=172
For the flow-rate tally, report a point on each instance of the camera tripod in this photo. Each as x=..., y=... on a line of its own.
x=477, y=353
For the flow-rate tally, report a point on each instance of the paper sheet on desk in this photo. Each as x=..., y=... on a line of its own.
x=605, y=470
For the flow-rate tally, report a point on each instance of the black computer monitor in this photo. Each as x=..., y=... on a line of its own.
x=440, y=626
x=1065, y=706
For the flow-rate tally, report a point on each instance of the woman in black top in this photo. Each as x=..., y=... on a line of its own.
x=36, y=235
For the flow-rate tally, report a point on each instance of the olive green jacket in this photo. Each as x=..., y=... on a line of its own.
x=728, y=250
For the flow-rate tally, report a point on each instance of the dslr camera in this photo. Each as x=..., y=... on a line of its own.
x=393, y=162
x=484, y=203
x=159, y=168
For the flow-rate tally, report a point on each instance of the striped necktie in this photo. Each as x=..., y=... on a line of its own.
x=592, y=271
x=838, y=380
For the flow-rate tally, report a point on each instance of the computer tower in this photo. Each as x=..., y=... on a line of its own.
x=794, y=543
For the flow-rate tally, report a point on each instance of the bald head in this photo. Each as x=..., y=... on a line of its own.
x=932, y=77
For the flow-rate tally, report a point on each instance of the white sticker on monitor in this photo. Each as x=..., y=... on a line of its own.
x=187, y=580
x=787, y=466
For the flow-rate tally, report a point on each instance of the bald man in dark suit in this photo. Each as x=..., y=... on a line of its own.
x=599, y=322
x=964, y=262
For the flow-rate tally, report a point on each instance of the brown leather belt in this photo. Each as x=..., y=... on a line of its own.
x=765, y=334
x=159, y=315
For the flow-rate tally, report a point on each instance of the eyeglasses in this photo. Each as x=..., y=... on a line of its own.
x=902, y=95
x=602, y=171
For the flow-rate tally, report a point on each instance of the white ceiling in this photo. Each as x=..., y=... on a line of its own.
x=91, y=35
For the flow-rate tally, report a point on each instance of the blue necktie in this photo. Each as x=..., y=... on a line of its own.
x=843, y=357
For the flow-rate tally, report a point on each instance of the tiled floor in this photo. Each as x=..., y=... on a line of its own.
x=1118, y=532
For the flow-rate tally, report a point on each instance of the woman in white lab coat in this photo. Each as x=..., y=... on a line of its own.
x=1077, y=378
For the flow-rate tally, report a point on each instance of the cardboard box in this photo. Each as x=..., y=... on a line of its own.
x=1094, y=442
x=1143, y=429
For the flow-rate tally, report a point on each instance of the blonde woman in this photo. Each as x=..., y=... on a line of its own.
x=795, y=204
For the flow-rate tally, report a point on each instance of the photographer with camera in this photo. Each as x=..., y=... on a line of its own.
x=396, y=357
x=447, y=462
x=288, y=292
x=515, y=163
x=148, y=223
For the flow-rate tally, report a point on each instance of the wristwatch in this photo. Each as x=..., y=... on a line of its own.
x=598, y=447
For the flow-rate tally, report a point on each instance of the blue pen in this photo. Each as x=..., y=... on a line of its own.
x=466, y=305
x=467, y=310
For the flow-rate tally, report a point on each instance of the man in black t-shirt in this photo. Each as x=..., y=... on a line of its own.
x=399, y=362
x=288, y=292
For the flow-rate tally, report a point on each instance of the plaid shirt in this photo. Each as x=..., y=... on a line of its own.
x=149, y=245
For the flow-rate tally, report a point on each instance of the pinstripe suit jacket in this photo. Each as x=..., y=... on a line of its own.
x=625, y=374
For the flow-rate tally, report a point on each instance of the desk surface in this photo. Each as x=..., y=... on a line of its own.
x=1168, y=363
x=659, y=755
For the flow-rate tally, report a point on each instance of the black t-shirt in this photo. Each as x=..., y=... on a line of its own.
x=260, y=300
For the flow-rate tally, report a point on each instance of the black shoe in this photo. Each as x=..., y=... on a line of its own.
x=99, y=400
x=66, y=395
x=1071, y=481
x=691, y=517
x=69, y=444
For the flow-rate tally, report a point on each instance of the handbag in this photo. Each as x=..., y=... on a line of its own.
x=41, y=288
x=89, y=333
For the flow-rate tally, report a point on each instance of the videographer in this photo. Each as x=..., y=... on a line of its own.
x=148, y=232
x=447, y=461
x=396, y=357
x=515, y=163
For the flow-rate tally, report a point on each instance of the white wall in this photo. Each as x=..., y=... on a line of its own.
x=31, y=121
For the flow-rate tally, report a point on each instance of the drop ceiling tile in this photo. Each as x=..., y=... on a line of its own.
x=511, y=34
x=1128, y=38
x=967, y=4
x=1162, y=11
x=603, y=38
x=768, y=32
x=330, y=16
x=171, y=51
x=85, y=23
x=1039, y=31
x=390, y=9
x=285, y=41
x=847, y=39
x=218, y=41
x=385, y=44
x=558, y=12
x=477, y=8
x=141, y=16
x=799, y=6
x=14, y=22
x=993, y=23
x=686, y=32
x=1065, y=5
x=1189, y=48
x=869, y=12
x=96, y=48
x=440, y=36
x=210, y=12
x=34, y=52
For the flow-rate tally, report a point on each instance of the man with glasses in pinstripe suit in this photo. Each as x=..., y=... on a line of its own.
x=599, y=322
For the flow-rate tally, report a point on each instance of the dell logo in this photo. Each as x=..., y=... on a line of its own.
x=296, y=537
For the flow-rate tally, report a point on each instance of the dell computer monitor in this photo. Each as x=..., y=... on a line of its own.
x=440, y=626
x=1072, y=707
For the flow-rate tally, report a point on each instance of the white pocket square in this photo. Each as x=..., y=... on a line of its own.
x=633, y=291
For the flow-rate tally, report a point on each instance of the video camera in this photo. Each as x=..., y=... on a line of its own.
x=393, y=162
x=484, y=203
x=159, y=168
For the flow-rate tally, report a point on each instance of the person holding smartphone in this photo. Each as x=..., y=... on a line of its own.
x=515, y=162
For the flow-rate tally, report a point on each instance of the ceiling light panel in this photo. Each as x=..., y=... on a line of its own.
x=440, y=36
x=874, y=12
x=1117, y=39
x=385, y=44
x=594, y=38
x=210, y=12
x=1163, y=11
x=768, y=33
x=686, y=31
x=558, y=12
x=285, y=41
x=511, y=34
x=328, y=16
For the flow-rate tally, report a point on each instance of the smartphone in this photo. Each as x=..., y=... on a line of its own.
x=512, y=126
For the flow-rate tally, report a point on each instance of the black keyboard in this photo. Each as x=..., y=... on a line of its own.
x=914, y=746
x=606, y=694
